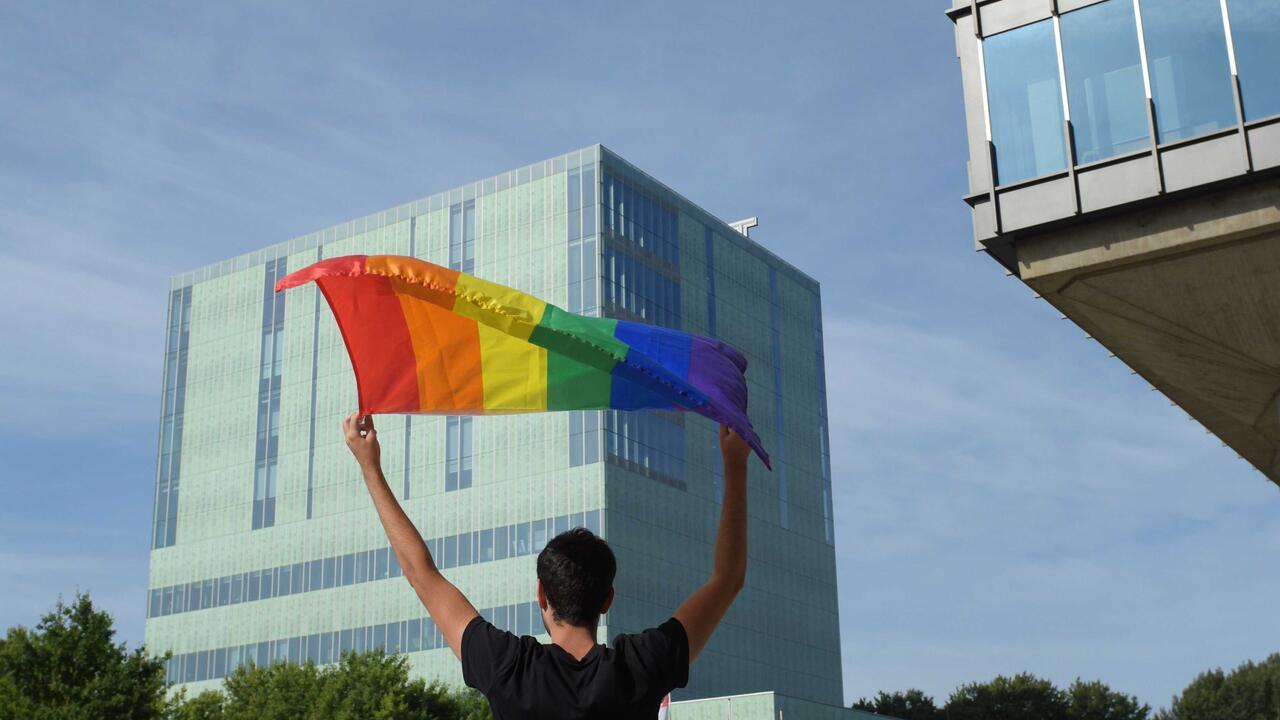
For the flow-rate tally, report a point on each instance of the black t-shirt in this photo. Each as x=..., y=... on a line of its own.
x=525, y=679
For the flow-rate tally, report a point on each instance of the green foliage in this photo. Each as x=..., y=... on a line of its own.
x=68, y=668
x=208, y=705
x=910, y=705
x=1250, y=692
x=1095, y=701
x=1021, y=697
x=369, y=686
x=280, y=691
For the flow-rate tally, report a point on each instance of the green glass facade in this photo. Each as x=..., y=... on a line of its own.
x=272, y=551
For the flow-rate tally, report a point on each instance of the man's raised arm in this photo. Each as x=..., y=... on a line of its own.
x=448, y=607
x=707, y=605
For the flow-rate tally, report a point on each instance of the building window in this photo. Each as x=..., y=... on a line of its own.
x=584, y=260
x=1187, y=60
x=265, y=468
x=584, y=437
x=636, y=289
x=457, y=453
x=780, y=447
x=462, y=236
x=1024, y=98
x=164, y=525
x=413, y=635
x=1255, y=34
x=641, y=256
x=649, y=443
x=1104, y=80
x=708, y=240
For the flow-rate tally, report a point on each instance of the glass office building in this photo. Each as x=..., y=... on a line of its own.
x=1076, y=106
x=266, y=547
x=1122, y=162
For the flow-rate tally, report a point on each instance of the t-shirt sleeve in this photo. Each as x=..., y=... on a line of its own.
x=486, y=652
x=663, y=652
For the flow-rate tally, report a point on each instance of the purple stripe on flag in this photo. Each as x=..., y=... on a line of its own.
x=719, y=371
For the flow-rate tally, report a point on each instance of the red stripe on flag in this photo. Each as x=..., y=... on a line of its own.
x=372, y=322
x=348, y=265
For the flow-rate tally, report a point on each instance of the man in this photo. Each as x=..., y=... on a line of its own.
x=573, y=677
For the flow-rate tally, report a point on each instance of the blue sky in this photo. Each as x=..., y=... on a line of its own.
x=1007, y=497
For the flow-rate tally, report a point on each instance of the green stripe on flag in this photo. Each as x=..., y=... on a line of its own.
x=581, y=353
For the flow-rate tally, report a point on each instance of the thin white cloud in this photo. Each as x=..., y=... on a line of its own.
x=1000, y=513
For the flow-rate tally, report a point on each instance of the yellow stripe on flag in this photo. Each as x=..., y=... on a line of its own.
x=501, y=308
x=515, y=373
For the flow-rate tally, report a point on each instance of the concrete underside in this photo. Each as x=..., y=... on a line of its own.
x=1187, y=293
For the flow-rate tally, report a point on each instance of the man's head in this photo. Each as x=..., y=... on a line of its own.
x=575, y=577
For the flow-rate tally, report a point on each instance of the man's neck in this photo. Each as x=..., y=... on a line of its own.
x=577, y=641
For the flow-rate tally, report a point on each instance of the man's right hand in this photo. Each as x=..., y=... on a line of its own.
x=362, y=439
x=733, y=449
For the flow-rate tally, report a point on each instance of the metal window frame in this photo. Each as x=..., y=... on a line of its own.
x=1068, y=131
x=994, y=196
x=1236, y=91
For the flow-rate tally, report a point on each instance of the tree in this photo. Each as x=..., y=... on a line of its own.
x=280, y=691
x=1021, y=697
x=208, y=705
x=68, y=668
x=1096, y=701
x=1250, y=692
x=909, y=705
x=371, y=686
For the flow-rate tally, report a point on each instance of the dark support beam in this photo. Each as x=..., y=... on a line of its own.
x=1244, y=132
x=1155, y=145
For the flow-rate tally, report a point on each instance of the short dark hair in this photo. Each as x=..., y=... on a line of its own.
x=576, y=570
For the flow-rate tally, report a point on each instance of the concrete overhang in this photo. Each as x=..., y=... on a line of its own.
x=1186, y=291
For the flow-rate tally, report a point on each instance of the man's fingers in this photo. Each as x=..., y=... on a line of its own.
x=350, y=426
x=366, y=423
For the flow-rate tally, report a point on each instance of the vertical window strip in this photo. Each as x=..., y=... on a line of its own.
x=469, y=236
x=265, y=468
x=168, y=466
x=584, y=276
x=458, y=452
x=649, y=443
x=640, y=273
x=465, y=453
x=711, y=281
x=408, y=436
x=824, y=438
x=641, y=256
x=590, y=254
x=455, y=236
x=584, y=437
x=780, y=452
x=408, y=419
x=462, y=236
x=451, y=453
x=311, y=430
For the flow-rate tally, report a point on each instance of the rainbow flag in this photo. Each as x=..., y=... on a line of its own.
x=425, y=339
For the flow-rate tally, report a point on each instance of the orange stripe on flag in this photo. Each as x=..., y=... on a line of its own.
x=447, y=350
